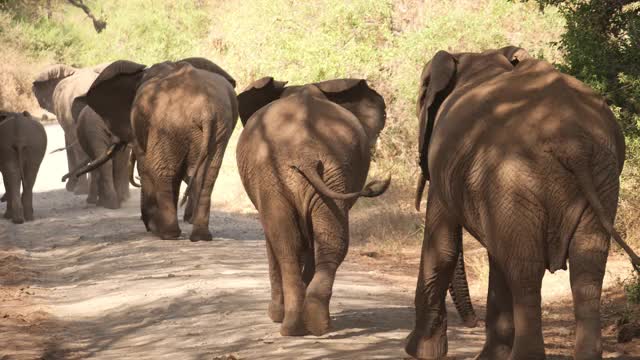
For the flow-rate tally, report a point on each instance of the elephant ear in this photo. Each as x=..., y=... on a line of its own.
x=436, y=82
x=515, y=54
x=98, y=68
x=77, y=105
x=45, y=84
x=204, y=64
x=111, y=95
x=258, y=94
x=356, y=96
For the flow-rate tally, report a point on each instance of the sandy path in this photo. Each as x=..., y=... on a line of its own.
x=83, y=282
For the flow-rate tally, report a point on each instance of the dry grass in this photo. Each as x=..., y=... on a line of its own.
x=15, y=82
x=17, y=71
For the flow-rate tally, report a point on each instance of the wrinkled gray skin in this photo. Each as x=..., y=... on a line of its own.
x=55, y=88
x=110, y=182
x=303, y=158
x=23, y=143
x=179, y=117
x=527, y=160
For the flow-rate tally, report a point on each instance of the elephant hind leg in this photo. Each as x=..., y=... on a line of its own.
x=205, y=188
x=440, y=248
x=499, y=321
x=276, y=306
x=285, y=241
x=30, y=171
x=92, y=197
x=330, y=230
x=524, y=277
x=587, y=259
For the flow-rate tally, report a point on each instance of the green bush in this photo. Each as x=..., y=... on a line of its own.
x=632, y=289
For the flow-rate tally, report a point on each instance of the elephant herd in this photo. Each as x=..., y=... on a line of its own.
x=523, y=157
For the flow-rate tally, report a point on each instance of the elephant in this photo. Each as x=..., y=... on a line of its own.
x=527, y=160
x=23, y=142
x=303, y=158
x=55, y=88
x=109, y=185
x=179, y=117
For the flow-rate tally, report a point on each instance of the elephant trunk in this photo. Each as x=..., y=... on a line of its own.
x=132, y=164
x=106, y=156
x=422, y=181
x=459, y=290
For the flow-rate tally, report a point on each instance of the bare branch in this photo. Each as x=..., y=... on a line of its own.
x=98, y=24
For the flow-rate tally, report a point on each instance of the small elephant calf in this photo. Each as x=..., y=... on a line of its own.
x=23, y=143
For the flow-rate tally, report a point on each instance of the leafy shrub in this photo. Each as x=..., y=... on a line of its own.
x=632, y=289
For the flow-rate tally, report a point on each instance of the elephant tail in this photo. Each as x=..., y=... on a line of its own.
x=422, y=181
x=372, y=189
x=585, y=182
x=459, y=290
x=132, y=164
x=199, y=174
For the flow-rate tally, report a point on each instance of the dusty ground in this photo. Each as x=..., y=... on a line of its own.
x=82, y=282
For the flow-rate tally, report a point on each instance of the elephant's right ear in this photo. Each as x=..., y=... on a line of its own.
x=45, y=84
x=258, y=94
x=436, y=82
x=112, y=92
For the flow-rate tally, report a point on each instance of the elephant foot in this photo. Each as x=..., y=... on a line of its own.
x=316, y=316
x=170, y=235
x=471, y=321
x=7, y=215
x=200, y=234
x=109, y=204
x=500, y=352
x=18, y=220
x=276, y=312
x=82, y=188
x=293, y=326
x=431, y=348
x=92, y=200
x=28, y=217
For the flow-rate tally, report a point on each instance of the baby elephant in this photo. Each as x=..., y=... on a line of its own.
x=303, y=158
x=23, y=143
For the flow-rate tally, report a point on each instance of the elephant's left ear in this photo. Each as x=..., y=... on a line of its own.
x=356, y=96
x=204, y=64
x=257, y=95
x=515, y=54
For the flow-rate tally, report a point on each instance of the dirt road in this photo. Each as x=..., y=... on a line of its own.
x=83, y=282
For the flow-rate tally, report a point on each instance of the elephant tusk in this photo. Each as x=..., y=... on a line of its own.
x=132, y=163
